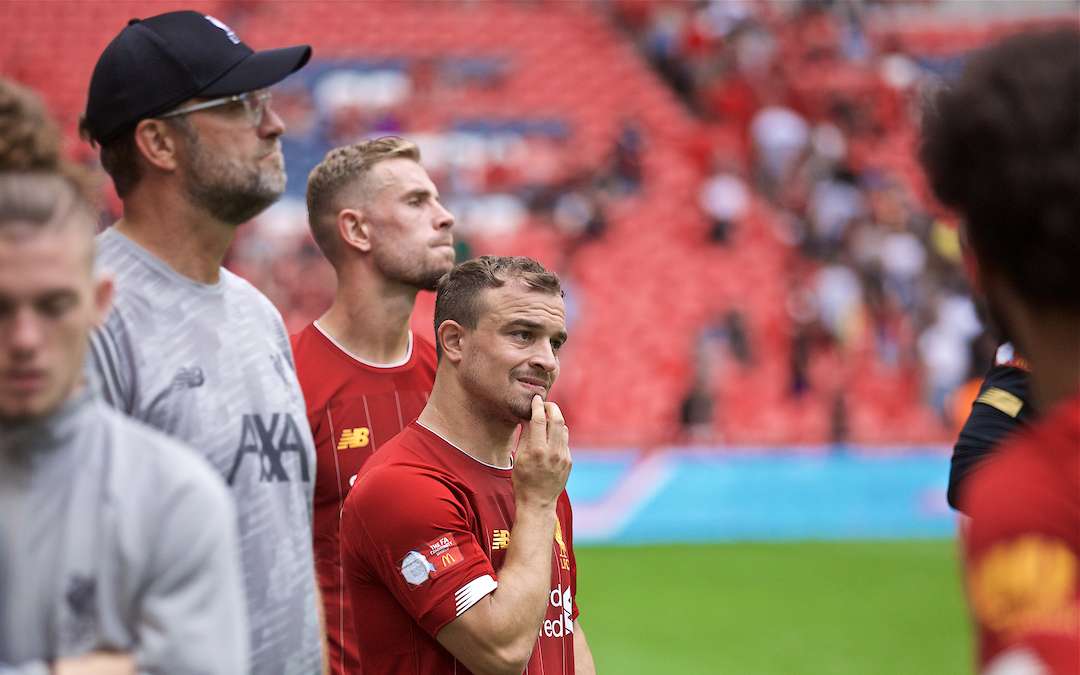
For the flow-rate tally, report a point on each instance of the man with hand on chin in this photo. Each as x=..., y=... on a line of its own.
x=458, y=548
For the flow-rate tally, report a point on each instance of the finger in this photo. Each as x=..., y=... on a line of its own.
x=538, y=424
x=556, y=423
x=553, y=412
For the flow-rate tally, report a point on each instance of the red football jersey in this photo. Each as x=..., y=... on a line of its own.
x=1022, y=548
x=424, y=533
x=353, y=408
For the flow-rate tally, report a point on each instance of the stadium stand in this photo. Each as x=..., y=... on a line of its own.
x=551, y=134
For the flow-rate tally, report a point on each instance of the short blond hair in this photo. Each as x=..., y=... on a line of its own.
x=342, y=167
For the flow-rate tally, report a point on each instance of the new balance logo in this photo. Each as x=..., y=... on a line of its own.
x=189, y=378
x=268, y=445
x=354, y=438
x=500, y=539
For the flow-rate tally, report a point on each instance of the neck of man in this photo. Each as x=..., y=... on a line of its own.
x=1049, y=338
x=186, y=238
x=370, y=315
x=1050, y=341
x=451, y=414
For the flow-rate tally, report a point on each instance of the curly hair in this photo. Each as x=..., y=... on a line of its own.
x=1002, y=146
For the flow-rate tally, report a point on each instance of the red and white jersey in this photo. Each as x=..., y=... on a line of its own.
x=353, y=407
x=424, y=533
x=1022, y=548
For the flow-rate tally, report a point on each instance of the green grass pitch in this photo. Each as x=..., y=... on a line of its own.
x=866, y=608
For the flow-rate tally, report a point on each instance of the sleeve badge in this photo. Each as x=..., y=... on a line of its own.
x=432, y=559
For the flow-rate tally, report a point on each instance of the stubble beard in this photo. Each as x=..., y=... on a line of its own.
x=232, y=192
x=487, y=404
x=423, y=275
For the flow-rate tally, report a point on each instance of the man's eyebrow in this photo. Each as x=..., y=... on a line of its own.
x=419, y=192
x=535, y=325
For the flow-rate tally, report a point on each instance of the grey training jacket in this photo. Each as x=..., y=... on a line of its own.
x=115, y=537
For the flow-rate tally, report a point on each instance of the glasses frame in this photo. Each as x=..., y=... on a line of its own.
x=255, y=105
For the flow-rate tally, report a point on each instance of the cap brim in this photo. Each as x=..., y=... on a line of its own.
x=259, y=70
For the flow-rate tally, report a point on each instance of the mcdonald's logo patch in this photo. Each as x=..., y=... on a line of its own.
x=444, y=553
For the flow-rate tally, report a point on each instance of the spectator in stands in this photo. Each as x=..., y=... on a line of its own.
x=839, y=300
x=627, y=169
x=780, y=136
x=945, y=348
x=834, y=204
x=738, y=338
x=696, y=413
x=903, y=258
x=118, y=545
x=665, y=45
x=725, y=198
x=177, y=103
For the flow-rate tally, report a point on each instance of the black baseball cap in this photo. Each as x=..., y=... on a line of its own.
x=157, y=63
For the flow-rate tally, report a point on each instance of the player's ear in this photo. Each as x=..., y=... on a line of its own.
x=104, y=286
x=450, y=335
x=157, y=143
x=355, y=229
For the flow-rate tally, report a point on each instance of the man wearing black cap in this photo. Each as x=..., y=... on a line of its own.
x=178, y=105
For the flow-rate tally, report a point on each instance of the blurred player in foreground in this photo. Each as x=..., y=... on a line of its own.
x=457, y=548
x=177, y=104
x=118, y=546
x=1002, y=146
x=376, y=216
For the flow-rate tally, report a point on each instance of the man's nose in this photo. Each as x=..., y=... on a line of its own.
x=25, y=330
x=272, y=126
x=443, y=218
x=544, y=357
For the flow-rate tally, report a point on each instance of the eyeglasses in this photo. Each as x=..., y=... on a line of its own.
x=255, y=105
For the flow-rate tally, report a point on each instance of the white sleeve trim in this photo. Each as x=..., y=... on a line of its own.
x=471, y=593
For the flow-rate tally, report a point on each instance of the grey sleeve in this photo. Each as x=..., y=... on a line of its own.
x=111, y=364
x=28, y=668
x=193, y=611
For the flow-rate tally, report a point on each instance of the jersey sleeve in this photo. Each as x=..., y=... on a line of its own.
x=111, y=364
x=1000, y=408
x=413, y=532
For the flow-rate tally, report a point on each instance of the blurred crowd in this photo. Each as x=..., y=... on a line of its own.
x=804, y=107
x=818, y=117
